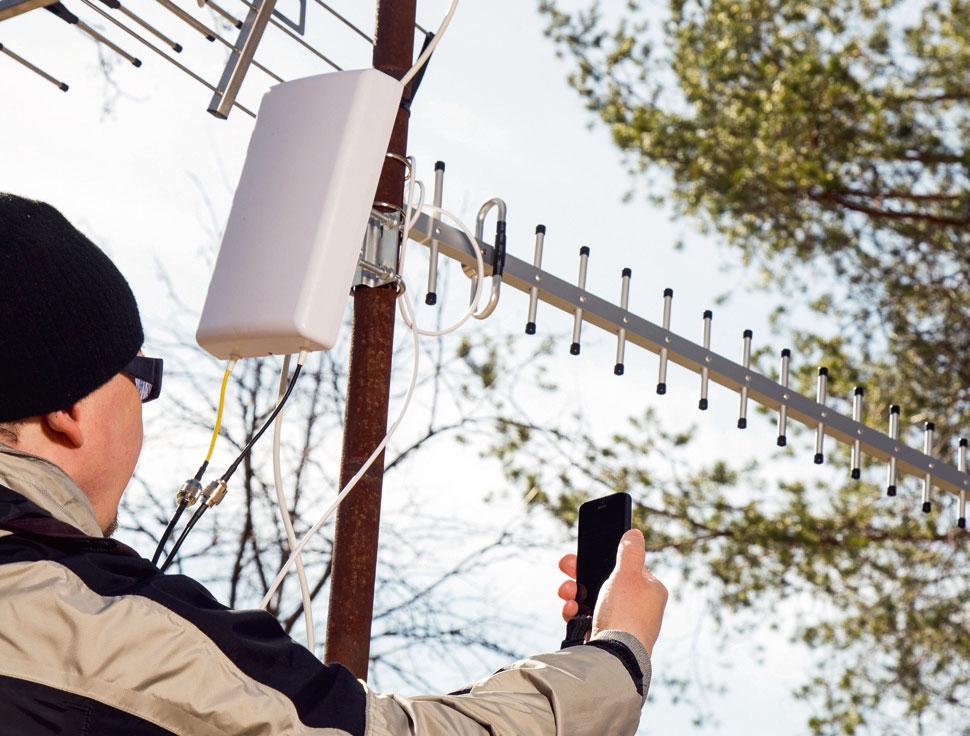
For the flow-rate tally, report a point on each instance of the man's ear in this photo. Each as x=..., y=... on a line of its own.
x=65, y=426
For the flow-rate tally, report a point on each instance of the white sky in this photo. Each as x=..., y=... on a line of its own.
x=495, y=107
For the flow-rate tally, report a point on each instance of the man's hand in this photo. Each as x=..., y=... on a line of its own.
x=631, y=599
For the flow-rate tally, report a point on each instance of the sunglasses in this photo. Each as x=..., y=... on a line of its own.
x=147, y=375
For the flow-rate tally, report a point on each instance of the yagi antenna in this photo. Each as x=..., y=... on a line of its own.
x=583, y=306
x=248, y=30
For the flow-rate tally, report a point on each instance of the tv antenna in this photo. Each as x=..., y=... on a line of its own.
x=815, y=414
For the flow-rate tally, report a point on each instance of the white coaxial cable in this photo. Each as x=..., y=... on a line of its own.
x=426, y=54
x=295, y=551
x=285, y=514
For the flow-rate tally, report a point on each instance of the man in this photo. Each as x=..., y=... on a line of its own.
x=95, y=640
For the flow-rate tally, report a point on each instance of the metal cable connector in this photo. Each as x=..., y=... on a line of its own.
x=215, y=492
x=188, y=492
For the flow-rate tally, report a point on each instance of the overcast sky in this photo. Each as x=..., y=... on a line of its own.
x=494, y=105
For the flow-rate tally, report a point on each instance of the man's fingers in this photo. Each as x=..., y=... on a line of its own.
x=568, y=565
x=570, y=610
x=567, y=591
x=631, y=554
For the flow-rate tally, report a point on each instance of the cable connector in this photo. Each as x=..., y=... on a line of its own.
x=188, y=492
x=215, y=492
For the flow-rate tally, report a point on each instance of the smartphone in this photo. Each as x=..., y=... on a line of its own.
x=602, y=522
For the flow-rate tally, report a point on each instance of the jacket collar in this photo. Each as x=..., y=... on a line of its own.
x=48, y=487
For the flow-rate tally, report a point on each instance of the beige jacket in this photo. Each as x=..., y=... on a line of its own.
x=95, y=640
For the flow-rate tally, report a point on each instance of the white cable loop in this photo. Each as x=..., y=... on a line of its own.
x=479, y=277
x=410, y=218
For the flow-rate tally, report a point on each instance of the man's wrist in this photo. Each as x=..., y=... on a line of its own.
x=638, y=660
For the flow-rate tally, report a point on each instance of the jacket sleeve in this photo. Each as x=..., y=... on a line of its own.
x=97, y=624
x=580, y=691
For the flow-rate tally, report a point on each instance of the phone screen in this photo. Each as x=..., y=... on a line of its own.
x=602, y=522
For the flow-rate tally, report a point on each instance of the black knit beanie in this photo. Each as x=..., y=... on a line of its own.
x=68, y=319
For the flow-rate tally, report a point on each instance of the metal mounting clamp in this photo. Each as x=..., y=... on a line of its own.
x=379, y=255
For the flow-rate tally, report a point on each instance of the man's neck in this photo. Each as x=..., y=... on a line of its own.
x=46, y=485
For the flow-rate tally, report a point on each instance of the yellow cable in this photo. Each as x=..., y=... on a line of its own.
x=222, y=404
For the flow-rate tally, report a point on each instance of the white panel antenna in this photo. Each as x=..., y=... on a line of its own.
x=299, y=215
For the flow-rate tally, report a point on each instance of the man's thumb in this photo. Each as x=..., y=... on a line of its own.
x=630, y=556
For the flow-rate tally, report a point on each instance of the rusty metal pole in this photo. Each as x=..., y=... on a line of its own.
x=358, y=517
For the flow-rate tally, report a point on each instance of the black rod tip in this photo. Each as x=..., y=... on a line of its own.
x=785, y=353
x=702, y=404
x=891, y=490
x=530, y=328
x=962, y=522
x=439, y=165
x=136, y=62
x=708, y=314
x=668, y=292
x=539, y=228
x=584, y=251
x=856, y=474
x=430, y=298
x=574, y=349
x=929, y=427
x=894, y=409
x=627, y=272
x=618, y=369
x=747, y=333
x=819, y=458
x=64, y=87
x=210, y=38
x=860, y=391
x=661, y=388
x=927, y=507
x=823, y=371
x=782, y=440
x=177, y=48
x=742, y=423
x=963, y=442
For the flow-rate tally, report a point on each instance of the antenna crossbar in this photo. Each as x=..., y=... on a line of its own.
x=241, y=58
